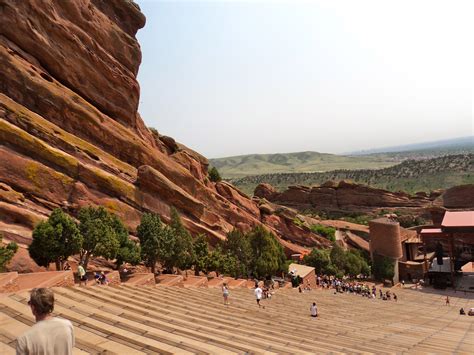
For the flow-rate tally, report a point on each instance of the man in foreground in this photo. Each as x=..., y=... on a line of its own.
x=50, y=335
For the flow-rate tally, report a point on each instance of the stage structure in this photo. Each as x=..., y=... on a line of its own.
x=452, y=242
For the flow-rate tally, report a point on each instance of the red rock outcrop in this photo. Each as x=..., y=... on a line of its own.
x=461, y=197
x=70, y=133
x=343, y=197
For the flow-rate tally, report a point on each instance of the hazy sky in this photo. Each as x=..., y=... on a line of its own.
x=239, y=77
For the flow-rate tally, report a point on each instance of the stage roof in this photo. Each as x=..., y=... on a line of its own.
x=432, y=232
x=460, y=219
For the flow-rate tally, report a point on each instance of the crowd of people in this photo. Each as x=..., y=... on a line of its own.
x=353, y=287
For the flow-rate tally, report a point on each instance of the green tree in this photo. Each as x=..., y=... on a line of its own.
x=357, y=262
x=129, y=250
x=98, y=228
x=353, y=265
x=201, y=252
x=215, y=259
x=338, y=259
x=383, y=268
x=229, y=265
x=268, y=256
x=214, y=175
x=184, y=251
x=319, y=259
x=238, y=245
x=157, y=241
x=6, y=253
x=55, y=240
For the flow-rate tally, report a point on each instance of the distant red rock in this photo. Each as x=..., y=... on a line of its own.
x=342, y=197
x=459, y=197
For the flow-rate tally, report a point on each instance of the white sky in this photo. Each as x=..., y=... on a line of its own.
x=239, y=77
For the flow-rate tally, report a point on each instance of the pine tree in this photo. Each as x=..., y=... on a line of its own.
x=184, y=250
x=156, y=240
x=98, y=228
x=55, y=240
x=268, y=256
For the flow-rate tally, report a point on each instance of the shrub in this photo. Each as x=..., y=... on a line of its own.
x=214, y=175
x=327, y=232
x=6, y=253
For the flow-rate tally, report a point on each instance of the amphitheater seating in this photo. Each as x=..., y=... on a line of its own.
x=131, y=319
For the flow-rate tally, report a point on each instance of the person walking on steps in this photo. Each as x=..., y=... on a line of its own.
x=225, y=293
x=314, y=310
x=82, y=274
x=258, y=295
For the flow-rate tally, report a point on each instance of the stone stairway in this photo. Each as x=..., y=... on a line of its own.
x=132, y=319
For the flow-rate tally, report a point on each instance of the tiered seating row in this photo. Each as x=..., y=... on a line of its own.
x=137, y=320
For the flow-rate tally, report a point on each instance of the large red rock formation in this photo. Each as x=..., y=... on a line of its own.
x=344, y=197
x=461, y=197
x=70, y=133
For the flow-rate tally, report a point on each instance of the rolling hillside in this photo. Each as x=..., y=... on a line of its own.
x=410, y=175
x=310, y=162
x=244, y=165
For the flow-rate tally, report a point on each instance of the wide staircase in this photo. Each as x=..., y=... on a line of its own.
x=137, y=319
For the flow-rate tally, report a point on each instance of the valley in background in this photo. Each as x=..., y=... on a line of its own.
x=441, y=166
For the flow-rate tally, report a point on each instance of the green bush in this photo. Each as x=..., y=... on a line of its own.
x=327, y=232
x=298, y=222
x=214, y=175
x=6, y=253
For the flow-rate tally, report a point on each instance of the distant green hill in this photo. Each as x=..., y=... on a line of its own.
x=308, y=162
x=410, y=175
x=244, y=165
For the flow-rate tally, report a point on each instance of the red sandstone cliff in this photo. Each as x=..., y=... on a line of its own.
x=345, y=197
x=70, y=133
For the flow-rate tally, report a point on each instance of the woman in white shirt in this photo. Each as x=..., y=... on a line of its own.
x=314, y=310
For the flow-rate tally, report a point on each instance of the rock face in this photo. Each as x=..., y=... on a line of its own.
x=459, y=197
x=342, y=197
x=70, y=133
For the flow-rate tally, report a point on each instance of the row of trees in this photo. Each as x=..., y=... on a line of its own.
x=100, y=233
x=338, y=262
x=256, y=253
